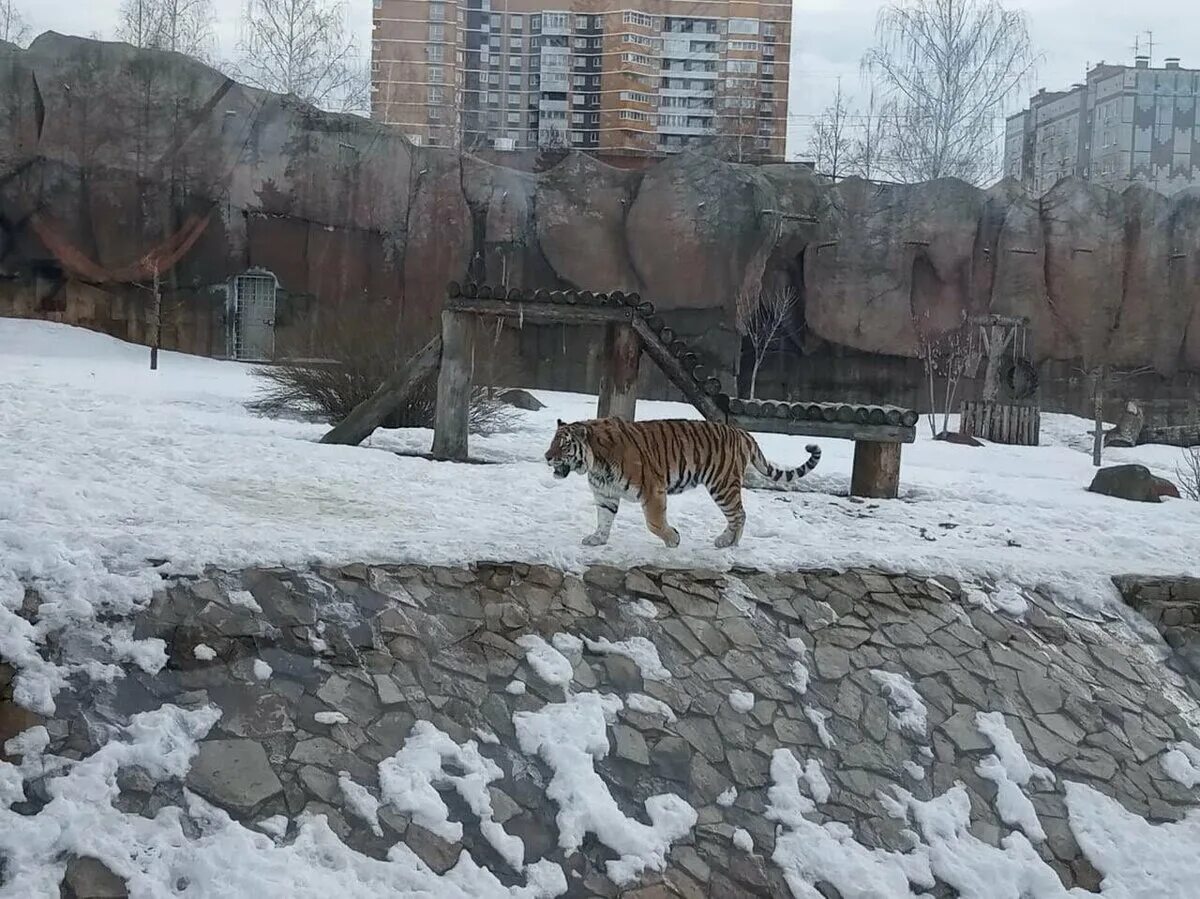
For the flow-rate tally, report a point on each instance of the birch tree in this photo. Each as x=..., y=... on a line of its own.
x=13, y=27
x=945, y=69
x=182, y=26
x=761, y=316
x=831, y=143
x=303, y=47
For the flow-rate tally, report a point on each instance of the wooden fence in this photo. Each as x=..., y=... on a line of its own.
x=1001, y=423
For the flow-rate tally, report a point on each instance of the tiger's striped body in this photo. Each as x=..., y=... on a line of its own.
x=649, y=460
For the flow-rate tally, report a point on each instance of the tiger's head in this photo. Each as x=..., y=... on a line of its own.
x=569, y=450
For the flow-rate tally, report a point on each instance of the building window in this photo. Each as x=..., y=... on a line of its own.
x=581, y=22
x=555, y=20
x=514, y=81
x=493, y=98
x=637, y=18
x=634, y=115
x=515, y=23
x=743, y=26
x=741, y=66
x=514, y=118
x=635, y=97
x=436, y=94
x=434, y=74
x=437, y=32
x=435, y=53
x=535, y=23
x=743, y=45
x=514, y=99
x=437, y=12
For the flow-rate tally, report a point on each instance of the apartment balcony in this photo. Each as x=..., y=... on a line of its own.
x=686, y=130
x=552, y=105
x=706, y=92
x=679, y=72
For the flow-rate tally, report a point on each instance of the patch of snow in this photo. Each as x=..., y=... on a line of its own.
x=738, y=594
x=486, y=736
x=913, y=770
x=547, y=662
x=799, y=678
x=642, y=607
x=1138, y=859
x=330, y=718
x=567, y=644
x=204, y=652
x=1010, y=599
x=275, y=826
x=409, y=782
x=814, y=777
x=570, y=737
x=818, y=717
x=727, y=797
x=515, y=688
x=798, y=646
x=1181, y=763
x=742, y=840
x=648, y=705
x=741, y=700
x=639, y=650
x=245, y=599
x=262, y=671
x=360, y=802
x=907, y=707
x=1010, y=770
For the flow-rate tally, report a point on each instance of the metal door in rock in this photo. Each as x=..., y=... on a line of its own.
x=252, y=332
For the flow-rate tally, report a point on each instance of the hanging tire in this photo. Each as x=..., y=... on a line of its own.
x=1021, y=379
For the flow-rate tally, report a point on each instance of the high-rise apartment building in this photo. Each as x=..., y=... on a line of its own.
x=631, y=77
x=1125, y=125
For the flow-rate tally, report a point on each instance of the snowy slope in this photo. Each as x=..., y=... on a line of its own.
x=109, y=465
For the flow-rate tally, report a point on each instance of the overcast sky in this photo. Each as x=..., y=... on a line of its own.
x=829, y=38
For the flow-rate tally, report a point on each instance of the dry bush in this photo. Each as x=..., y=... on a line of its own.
x=345, y=364
x=1187, y=472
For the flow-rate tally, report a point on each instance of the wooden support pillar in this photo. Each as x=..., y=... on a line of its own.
x=876, y=472
x=618, y=383
x=454, y=386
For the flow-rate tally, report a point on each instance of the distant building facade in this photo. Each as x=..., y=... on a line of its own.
x=645, y=77
x=1125, y=125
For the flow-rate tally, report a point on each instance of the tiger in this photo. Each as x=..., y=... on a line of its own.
x=651, y=460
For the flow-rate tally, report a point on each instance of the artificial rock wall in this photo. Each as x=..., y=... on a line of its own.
x=358, y=655
x=108, y=153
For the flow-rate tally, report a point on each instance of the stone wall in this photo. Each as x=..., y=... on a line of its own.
x=1173, y=606
x=108, y=154
x=358, y=654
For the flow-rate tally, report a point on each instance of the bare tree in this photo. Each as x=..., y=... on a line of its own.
x=830, y=143
x=866, y=142
x=13, y=27
x=183, y=26
x=945, y=355
x=1187, y=472
x=761, y=316
x=302, y=47
x=945, y=69
x=736, y=118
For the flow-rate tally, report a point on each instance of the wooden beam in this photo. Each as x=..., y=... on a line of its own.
x=876, y=472
x=454, y=386
x=840, y=430
x=674, y=371
x=618, y=383
x=554, y=313
x=371, y=413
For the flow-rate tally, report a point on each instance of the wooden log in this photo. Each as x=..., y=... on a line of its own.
x=712, y=386
x=909, y=417
x=470, y=289
x=656, y=323
x=893, y=416
x=812, y=411
x=542, y=295
x=558, y=313
x=618, y=383
x=797, y=411
x=617, y=297
x=699, y=373
x=454, y=289
x=862, y=415
x=829, y=412
x=736, y=406
x=586, y=296
x=724, y=401
x=677, y=348
x=570, y=297
x=645, y=309
x=454, y=386
x=876, y=472
x=484, y=292
x=876, y=416
x=666, y=335
x=515, y=296
x=374, y=411
x=846, y=414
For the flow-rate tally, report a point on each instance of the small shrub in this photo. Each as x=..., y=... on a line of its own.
x=353, y=356
x=1187, y=472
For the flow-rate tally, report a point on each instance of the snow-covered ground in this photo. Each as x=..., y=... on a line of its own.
x=109, y=467
x=111, y=474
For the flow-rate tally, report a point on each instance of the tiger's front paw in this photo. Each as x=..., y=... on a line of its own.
x=672, y=538
x=726, y=538
x=595, y=540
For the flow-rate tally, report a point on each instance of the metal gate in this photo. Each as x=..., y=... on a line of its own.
x=252, y=336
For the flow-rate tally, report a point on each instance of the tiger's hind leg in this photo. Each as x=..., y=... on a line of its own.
x=606, y=511
x=728, y=498
x=654, y=506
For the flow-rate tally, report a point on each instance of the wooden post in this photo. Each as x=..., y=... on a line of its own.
x=454, y=386
x=876, y=472
x=618, y=383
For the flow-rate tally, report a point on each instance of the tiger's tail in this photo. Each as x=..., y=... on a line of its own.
x=784, y=475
